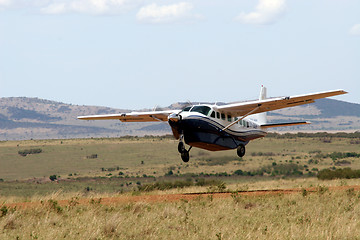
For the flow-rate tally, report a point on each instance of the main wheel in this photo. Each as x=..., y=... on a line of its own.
x=185, y=156
x=181, y=147
x=241, y=150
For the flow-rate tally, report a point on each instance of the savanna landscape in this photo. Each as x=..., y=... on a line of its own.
x=287, y=186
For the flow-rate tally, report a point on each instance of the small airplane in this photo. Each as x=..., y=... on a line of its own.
x=224, y=127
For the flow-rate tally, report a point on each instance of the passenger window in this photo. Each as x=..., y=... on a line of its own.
x=218, y=115
x=223, y=116
x=229, y=118
x=212, y=114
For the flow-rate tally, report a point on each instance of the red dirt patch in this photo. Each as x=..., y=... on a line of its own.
x=178, y=197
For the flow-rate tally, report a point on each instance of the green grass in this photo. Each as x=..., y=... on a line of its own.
x=155, y=156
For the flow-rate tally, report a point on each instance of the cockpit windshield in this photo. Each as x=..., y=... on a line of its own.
x=187, y=109
x=201, y=109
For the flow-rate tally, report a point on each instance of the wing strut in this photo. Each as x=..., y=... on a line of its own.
x=258, y=106
x=157, y=119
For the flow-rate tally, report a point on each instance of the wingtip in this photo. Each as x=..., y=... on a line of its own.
x=81, y=117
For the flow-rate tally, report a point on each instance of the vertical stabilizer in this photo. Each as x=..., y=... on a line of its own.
x=261, y=117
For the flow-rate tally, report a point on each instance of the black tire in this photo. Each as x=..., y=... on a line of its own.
x=241, y=150
x=185, y=156
x=181, y=147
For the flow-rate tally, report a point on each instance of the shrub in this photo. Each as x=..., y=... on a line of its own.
x=54, y=205
x=328, y=174
x=343, y=162
x=25, y=152
x=164, y=185
x=239, y=172
x=4, y=210
x=178, y=184
x=312, y=161
x=169, y=173
x=204, y=182
x=340, y=155
x=53, y=177
x=304, y=192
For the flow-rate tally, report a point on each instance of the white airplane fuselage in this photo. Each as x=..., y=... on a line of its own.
x=205, y=127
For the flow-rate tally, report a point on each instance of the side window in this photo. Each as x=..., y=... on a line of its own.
x=218, y=115
x=212, y=114
x=223, y=116
x=229, y=118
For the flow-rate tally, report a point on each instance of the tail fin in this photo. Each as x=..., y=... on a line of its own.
x=261, y=117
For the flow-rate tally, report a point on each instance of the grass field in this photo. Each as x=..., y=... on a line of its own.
x=323, y=214
x=90, y=169
x=155, y=156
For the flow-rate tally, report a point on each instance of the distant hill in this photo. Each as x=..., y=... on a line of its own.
x=33, y=118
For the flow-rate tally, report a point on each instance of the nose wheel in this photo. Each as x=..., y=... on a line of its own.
x=185, y=156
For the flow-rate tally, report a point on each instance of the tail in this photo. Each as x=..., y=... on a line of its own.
x=261, y=117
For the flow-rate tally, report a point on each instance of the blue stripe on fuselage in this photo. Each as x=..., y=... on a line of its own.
x=252, y=134
x=198, y=129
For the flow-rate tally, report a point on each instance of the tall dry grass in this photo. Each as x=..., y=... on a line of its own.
x=321, y=215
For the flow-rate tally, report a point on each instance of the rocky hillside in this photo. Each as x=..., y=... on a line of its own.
x=33, y=118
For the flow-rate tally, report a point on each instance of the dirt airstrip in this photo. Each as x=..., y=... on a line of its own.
x=180, y=197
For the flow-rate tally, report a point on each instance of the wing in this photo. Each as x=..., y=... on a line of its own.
x=253, y=107
x=153, y=116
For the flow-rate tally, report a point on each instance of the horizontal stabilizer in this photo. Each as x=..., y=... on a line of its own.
x=283, y=124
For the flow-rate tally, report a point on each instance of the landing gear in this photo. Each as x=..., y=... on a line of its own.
x=241, y=150
x=182, y=150
x=181, y=147
x=185, y=156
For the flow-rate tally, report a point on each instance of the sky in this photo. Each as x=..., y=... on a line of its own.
x=135, y=54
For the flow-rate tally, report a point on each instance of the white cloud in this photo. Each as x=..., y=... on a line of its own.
x=5, y=2
x=87, y=6
x=266, y=12
x=355, y=30
x=167, y=13
x=55, y=8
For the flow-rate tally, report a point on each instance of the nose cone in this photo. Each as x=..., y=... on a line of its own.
x=174, y=121
x=173, y=118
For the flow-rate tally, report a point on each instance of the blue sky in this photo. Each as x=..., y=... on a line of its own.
x=136, y=54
